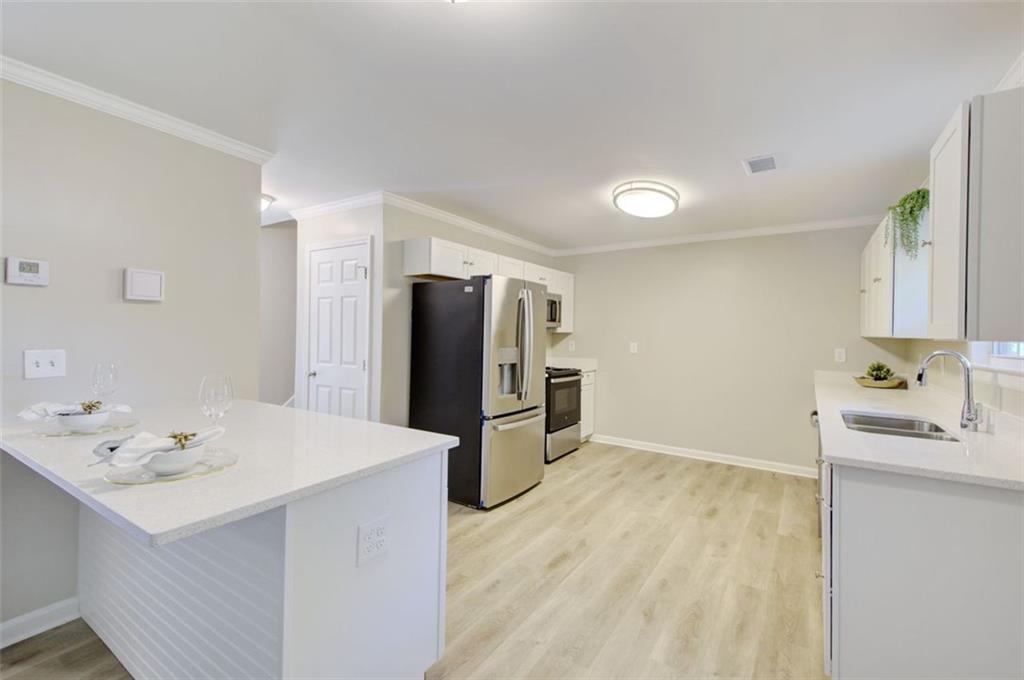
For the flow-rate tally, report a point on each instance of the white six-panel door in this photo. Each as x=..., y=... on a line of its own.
x=338, y=332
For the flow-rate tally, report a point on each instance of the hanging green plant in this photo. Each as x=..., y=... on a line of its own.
x=905, y=217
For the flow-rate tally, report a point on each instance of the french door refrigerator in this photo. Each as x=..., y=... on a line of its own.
x=477, y=372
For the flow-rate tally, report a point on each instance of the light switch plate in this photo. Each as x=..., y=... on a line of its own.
x=634, y=347
x=572, y=345
x=372, y=540
x=839, y=355
x=143, y=284
x=45, y=363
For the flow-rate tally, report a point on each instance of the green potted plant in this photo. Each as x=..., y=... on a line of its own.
x=880, y=375
x=905, y=221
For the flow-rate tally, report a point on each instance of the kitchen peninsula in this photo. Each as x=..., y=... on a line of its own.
x=266, y=568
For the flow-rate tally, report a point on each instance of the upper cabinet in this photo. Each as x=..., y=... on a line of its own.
x=435, y=258
x=967, y=279
x=948, y=198
x=876, y=287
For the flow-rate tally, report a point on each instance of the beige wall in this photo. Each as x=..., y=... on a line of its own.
x=1002, y=392
x=277, y=311
x=729, y=332
x=92, y=194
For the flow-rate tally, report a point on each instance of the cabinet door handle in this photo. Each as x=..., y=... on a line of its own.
x=877, y=279
x=818, y=574
x=863, y=291
x=925, y=244
x=311, y=374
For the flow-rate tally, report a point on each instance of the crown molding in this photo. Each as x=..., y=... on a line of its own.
x=387, y=198
x=803, y=227
x=31, y=76
x=1014, y=77
x=459, y=221
x=339, y=206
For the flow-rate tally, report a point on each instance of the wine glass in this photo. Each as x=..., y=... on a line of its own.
x=104, y=379
x=216, y=394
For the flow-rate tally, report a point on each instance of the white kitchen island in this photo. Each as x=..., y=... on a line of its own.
x=254, y=571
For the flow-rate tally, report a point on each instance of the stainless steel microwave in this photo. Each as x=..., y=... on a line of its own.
x=554, y=310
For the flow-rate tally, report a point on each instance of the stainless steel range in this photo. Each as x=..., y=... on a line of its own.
x=563, y=412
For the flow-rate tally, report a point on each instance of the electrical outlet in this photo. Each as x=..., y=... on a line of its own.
x=45, y=363
x=839, y=355
x=634, y=347
x=372, y=540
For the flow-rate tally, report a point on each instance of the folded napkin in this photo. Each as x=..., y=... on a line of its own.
x=143, y=446
x=48, y=409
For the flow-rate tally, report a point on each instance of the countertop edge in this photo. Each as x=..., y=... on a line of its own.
x=164, y=537
x=912, y=471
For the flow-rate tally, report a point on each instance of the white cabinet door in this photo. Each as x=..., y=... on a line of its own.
x=865, y=287
x=565, y=286
x=948, y=199
x=910, y=286
x=587, y=405
x=538, y=274
x=876, y=285
x=480, y=262
x=434, y=258
x=510, y=266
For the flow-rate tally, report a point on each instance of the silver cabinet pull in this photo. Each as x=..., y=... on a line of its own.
x=877, y=279
x=310, y=374
x=818, y=574
x=925, y=244
x=819, y=461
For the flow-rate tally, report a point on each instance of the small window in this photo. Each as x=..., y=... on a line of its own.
x=1013, y=350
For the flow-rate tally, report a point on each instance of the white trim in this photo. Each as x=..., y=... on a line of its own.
x=38, y=621
x=847, y=223
x=387, y=198
x=724, y=458
x=1014, y=77
x=300, y=398
x=343, y=205
x=31, y=76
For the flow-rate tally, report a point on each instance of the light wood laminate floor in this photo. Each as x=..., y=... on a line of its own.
x=621, y=564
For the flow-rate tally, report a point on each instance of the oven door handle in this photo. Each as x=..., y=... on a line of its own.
x=571, y=378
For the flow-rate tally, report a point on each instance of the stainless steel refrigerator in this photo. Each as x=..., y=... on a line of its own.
x=477, y=372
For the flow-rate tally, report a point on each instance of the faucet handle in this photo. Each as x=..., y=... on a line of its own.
x=922, y=377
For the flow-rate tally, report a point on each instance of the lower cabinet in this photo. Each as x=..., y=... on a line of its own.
x=587, y=404
x=921, y=577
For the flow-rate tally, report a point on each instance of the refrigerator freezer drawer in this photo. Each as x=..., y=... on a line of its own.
x=513, y=456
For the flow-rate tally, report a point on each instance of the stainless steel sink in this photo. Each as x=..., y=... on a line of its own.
x=900, y=426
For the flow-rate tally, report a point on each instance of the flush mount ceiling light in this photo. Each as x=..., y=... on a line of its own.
x=645, y=198
x=266, y=200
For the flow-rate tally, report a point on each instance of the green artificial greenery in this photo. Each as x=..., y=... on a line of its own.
x=906, y=219
x=879, y=371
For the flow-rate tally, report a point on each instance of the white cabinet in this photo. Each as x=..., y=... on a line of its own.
x=559, y=283
x=435, y=258
x=510, y=266
x=480, y=262
x=948, y=202
x=587, y=404
x=538, y=274
x=922, y=577
x=877, y=284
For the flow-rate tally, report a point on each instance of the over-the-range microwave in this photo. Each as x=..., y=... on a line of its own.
x=553, y=311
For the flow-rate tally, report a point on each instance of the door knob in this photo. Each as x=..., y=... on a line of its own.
x=311, y=374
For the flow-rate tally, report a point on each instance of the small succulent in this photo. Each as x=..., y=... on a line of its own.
x=90, y=406
x=879, y=371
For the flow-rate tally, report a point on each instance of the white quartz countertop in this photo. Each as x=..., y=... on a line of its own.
x=284, y=454
x=992, y=459
x=579, y=363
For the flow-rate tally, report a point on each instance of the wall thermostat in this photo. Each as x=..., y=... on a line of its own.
x=24, y=272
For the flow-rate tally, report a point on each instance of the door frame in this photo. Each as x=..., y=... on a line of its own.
x=302, y=321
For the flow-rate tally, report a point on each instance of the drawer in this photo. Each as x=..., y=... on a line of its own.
x=588, y=378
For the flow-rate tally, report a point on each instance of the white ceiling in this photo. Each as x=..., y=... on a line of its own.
x=523, y=116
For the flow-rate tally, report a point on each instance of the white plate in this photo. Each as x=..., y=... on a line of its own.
x=51, y=427
x=212, y=461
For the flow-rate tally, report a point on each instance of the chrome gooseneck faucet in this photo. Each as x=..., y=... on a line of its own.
x=969, y=414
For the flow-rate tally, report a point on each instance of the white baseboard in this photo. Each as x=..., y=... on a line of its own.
x=38, y=621
x=756, y=463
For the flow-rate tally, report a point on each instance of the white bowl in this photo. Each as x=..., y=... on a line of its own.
x=175, y=462
x=84, y=422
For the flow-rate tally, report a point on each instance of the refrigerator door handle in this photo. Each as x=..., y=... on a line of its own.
x=518, y=423
x=528, y=368
x=520, y=324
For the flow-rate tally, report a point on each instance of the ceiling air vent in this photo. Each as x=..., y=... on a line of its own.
x=759, y=164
